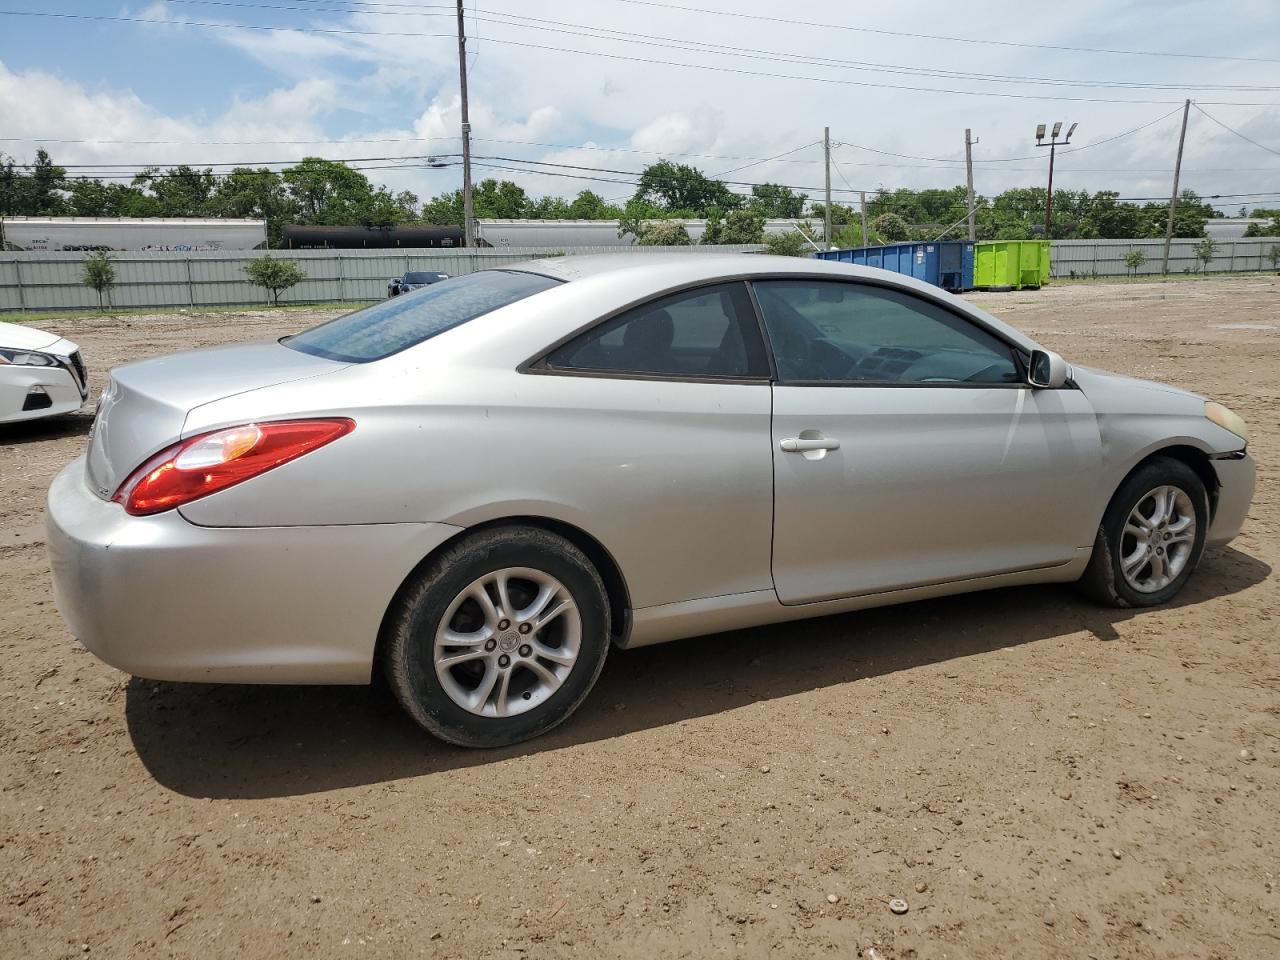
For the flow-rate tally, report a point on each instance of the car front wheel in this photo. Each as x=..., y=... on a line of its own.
x=1151, y=537
x=500, y=638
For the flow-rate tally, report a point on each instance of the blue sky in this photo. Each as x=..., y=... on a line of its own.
x=108, y=81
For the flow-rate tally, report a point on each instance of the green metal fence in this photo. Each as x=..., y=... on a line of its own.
x=52, y=281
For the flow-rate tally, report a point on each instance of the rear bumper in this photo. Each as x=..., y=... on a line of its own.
x=16, y=384
x=1235, y=494
x=162, y=598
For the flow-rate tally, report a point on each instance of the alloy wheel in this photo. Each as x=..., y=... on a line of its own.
x=507, y=642
x=1158, y=539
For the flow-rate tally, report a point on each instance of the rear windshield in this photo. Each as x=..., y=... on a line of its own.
x=423, y=277
x=397, y=324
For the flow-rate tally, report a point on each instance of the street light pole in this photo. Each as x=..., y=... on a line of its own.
x=1053, y=145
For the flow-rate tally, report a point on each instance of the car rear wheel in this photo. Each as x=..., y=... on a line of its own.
x=1151, y=538
x=500, y=638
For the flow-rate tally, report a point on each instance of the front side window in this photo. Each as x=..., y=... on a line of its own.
x=399, y=323
x=708, y=332
x=827, y=331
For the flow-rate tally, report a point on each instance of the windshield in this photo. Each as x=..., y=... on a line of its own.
x=399, y=323
x=418, y=277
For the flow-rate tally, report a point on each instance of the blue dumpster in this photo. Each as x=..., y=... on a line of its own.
x=947, y=264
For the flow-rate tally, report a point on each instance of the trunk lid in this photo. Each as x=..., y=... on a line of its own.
x=145, y=404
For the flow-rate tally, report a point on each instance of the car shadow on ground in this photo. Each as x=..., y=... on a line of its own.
x=230, y=741
x=45, y=428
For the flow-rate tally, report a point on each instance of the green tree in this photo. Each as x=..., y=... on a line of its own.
x=591, y=206
x=791, y=243
x=774, y=201
x=1205, y=251
x=179, y=192
x=665, y=233
x=499, y=200
x=1271, y=229
x=850, y=235
x=34, y=190
x=1189, y=218
x=325, y=192
x=637, y=216
x=743, y=225
x=98, y=273
x=681, y=189
x=255, y=194
x=444, y=210
x=548, y=208
x=93, y=198
x=274, y=274
x=1108, y=219
x=892, y=227
x=1133, y=260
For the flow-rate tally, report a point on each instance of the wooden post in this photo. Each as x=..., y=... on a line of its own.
x=1173, y=198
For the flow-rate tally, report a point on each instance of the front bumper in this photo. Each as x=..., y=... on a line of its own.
x=1236, y=479
x=162, y=598
x=66, y=394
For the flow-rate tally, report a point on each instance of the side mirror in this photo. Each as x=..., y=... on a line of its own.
x=1047, y=370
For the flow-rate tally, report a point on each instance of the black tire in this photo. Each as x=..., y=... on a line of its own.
x=1102, y=579
x=417, y=611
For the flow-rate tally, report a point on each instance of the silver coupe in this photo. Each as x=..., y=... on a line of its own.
x=481, y=486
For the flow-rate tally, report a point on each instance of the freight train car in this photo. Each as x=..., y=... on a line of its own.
x=163, y=234
x=370, y=237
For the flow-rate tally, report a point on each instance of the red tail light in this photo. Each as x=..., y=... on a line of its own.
x=219, y=459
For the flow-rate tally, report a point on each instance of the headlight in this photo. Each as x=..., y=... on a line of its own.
x=1227, y=420
x=25, y=358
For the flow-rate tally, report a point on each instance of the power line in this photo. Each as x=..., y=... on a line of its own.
x=780, y=158
x=1236, y=132
x=736, y=71
x=720, y=49
x=755, y=163
x=739, y=15
x=1087, y=146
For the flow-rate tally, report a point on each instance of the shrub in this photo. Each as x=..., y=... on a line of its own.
x=100, y=274
x=274, y=275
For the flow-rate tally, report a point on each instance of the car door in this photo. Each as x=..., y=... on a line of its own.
x=908, y=449
x=662, y=416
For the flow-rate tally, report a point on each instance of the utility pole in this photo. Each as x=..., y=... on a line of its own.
x=1173, y=198
x=968, y=166
x=862, y=200
x=826, y=218
x=468, y=214
x=1053, y=145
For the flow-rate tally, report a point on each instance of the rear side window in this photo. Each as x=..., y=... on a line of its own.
x=397, y=324
x=708, y=332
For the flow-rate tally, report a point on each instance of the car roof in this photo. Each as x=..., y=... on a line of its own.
x=667, y=271
x=671, y=269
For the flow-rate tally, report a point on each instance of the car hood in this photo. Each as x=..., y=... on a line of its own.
x=17, y=337
x=1114, y=393
x=145, y=405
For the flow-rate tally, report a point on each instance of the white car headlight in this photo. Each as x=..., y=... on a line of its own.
x=26, y=358
x=1227, y=420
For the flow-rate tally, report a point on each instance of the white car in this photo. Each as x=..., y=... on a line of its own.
x=41, y=374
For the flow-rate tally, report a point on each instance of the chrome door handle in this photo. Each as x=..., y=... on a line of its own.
x=798, y=445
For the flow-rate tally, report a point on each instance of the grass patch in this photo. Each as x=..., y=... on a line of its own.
x=1162, y=278
x=29, y=316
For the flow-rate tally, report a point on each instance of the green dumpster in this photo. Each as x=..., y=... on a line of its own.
x=1010, y=264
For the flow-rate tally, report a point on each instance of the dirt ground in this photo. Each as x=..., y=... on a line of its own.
x=1036, y=776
